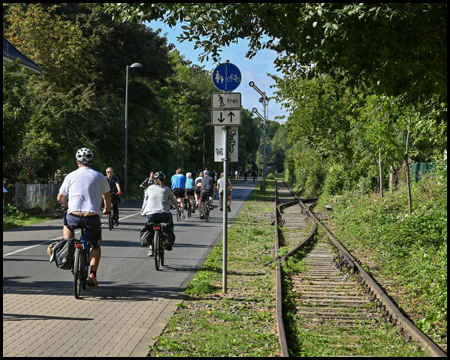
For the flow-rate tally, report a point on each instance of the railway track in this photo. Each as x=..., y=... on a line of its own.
x=331, y=307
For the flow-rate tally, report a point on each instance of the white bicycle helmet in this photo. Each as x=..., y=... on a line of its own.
x=84, y=156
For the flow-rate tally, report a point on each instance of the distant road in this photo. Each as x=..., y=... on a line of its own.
x=133, y=302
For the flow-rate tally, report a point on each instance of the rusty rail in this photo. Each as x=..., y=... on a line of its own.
x=395, y=315
x=280, y=321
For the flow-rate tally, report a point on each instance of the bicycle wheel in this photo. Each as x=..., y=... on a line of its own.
x=156, y=246
x=161, y=249
x=188, y=207
x=206, y=210
x=77, y=272
x=85, y=268
x=110, y=220
x=178, y=213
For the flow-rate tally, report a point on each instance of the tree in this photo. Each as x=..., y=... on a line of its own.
x=79, y=100
x=280, y=147
x=55, y=44
x=16, y=112
x=387, y=48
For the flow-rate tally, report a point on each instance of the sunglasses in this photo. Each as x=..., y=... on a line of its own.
x=109, y=172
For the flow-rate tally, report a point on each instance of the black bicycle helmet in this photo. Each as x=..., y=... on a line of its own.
x=160, y=176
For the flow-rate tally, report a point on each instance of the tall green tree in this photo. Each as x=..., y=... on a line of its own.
x=16, y=114
x=82, y=103
x=390, y=49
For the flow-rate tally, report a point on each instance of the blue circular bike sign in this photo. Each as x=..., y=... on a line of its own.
x=226, y=77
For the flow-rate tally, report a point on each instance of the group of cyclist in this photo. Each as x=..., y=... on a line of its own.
x=84, y=190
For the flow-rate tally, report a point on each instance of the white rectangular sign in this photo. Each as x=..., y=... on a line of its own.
x=219, y=151
x=226, y=101
x=226, y=117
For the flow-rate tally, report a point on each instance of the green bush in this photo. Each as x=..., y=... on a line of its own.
x=410, y=251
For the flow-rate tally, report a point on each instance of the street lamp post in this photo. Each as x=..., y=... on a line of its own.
x=178, y=132
x=135, y=65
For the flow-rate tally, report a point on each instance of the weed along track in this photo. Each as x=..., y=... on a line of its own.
x=330, y=306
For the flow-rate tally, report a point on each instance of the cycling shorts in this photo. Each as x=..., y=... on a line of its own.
x=221, y=192
x=205, y=194
x=92, y=224
x=178, y=193
x=189, y=192
x=198, y=189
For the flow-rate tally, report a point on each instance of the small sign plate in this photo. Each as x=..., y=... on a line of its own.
x=221, y=101
x=226, y=117
x=219, y=151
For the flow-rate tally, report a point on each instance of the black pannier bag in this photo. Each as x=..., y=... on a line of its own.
x=64, y=251
x=146, y=234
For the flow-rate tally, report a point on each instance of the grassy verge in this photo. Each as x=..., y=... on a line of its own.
x=406, y=254
x=13, y=218
x=242, y=321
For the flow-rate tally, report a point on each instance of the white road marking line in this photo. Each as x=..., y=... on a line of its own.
x=55, y=239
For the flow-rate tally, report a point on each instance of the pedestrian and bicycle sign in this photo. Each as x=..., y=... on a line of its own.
x=226, y=77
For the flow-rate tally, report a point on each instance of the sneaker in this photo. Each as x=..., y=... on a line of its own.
x=193, y=211
x=229, y=208
x=202, y=217
x=150, y=253
x=116, y=223
x=167, y=247
x=92, y=281
x=221, y=209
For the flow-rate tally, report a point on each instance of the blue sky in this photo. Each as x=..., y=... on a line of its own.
x=254, y=69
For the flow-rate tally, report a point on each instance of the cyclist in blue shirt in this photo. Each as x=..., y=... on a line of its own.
x=190, y=189
x=178, y=188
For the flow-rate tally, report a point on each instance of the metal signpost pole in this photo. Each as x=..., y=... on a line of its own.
x=126, y=134
x=265, y=157
x=225, y=210
x=226, y=112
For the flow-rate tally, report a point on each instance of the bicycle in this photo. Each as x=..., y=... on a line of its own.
x=187, y=206
x=178, y=210
x=111, y=219
x=206, y=214
x=158, y=245
x=206, y=209
x=81, y=264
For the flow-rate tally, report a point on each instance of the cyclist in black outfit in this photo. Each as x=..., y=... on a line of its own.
x=208, y=189
x=115, y=191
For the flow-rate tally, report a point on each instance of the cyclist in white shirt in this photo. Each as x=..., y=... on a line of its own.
x=85, y=188
x=221, y=187
x=198, y=188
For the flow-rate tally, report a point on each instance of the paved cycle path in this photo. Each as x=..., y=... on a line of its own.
x=41, y=317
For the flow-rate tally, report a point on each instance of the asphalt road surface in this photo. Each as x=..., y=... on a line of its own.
x=41, y=317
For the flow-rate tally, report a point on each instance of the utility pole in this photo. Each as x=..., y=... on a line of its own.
x=264, y=100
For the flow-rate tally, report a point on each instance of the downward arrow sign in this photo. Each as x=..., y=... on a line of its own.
x=221, y=119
